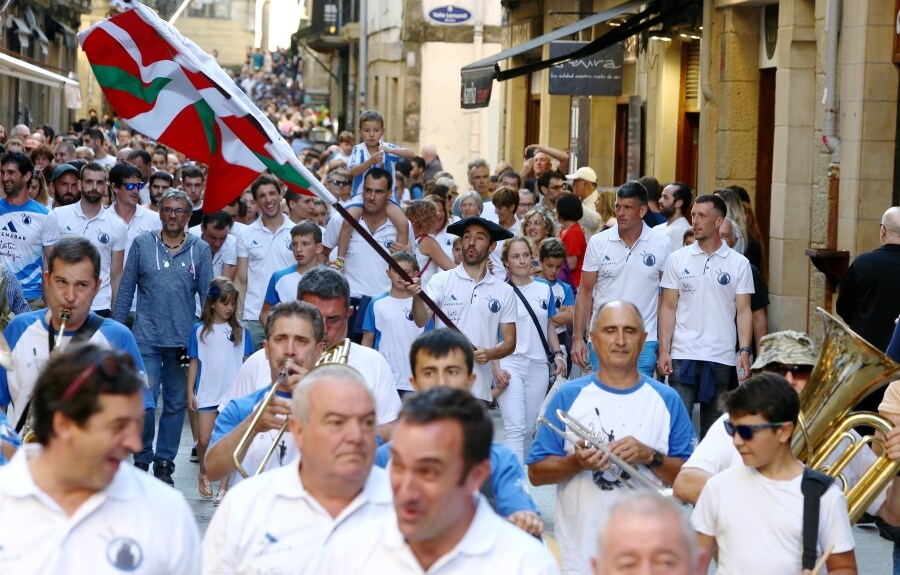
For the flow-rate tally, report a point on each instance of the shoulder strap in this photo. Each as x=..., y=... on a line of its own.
x=428, y=263
x=534, y=319
x=813, y=485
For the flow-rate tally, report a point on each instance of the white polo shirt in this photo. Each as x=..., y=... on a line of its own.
x=255, y=374
x=477, y=308
x=227, y=254
x=266, y=253
x=491, y=544
x=363, y=267
x=137, y=525
x=627, y=274
x=272, y=524
x=144, y=220
x=674, y=231
x=707, y=286
x=108, y=234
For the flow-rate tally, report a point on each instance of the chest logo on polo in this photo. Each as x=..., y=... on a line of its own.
x=543, y=304
x=648, y=259
x=125, y=554
x=558, y=302
x=493, y=304
x=408, y=313
x=26, y=219
x=724, y=278
x=288, y=246
x=103, y=238
x=229, y=335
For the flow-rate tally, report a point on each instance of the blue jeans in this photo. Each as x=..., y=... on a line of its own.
x=164, y=372
x=896, y=558
x=646, y=361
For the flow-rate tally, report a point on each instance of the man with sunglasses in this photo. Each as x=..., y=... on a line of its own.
x=752, y=514
x=338, y=183
x=87, y=218
x=168, y=269
x=70, y=503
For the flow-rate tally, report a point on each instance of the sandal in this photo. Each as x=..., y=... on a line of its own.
x=219, y=497
x=204, y=487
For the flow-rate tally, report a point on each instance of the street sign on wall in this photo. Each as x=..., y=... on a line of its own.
x=599, y=74
x=449, y=15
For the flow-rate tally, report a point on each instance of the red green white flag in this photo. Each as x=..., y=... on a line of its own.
x=169, y=89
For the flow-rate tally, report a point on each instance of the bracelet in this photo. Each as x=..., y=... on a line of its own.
x=745, y=349
x=558, y=353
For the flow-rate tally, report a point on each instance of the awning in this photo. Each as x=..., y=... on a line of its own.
x=24, y=32
x=68, y=32
x=10, y=66
x=477, y=78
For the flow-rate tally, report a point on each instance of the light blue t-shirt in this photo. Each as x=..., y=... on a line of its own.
x=21, y=243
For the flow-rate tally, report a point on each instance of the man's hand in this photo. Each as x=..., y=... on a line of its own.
x=743, y=366
x=579, y=352
x=527, y=521
x=481, y=356
x=664, y=363
x=501, y=378
x=631, y=450
x=591, y=459
x=893, y=443
x=275, y=415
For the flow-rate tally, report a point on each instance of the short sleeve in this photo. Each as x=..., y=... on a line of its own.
x=228, y=419
x=120, y=241
x=193, y=342
x=229, y=252
x=241, y=244
x=551, y=303
x=271, y=293
x=508, y=480
x=745, y=278
x=715, y=453
x=248, y=343
x=509, y=309
x=569, y=295
x=704, y=517
x=669, y=279
x=369, y=318
x=50, y=231
x=547, y=442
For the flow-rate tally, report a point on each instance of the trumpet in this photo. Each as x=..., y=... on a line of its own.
x=64, y=315
x=583, y=436
x=338, y=353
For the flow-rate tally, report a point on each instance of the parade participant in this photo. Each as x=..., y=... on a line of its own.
x=328, y=291
x=643, y=421
x=78, y=506
x=306, y=245
x=624, y=262
x=22, y=222
x=440, y=456
x=283, y=520
x=72, y=279
x=166, y=270
x=525, y=370
x=474, y=300
x=294, y=333
x=263, y=248
x=363, y=267
x=647, y=533
x=443, y=358
x=88, y=218
x=704, y=311
x=739, y=508
x=217, y=348
x=373, y=152
x=389, y=326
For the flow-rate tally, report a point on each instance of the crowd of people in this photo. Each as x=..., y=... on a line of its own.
x=338, y=383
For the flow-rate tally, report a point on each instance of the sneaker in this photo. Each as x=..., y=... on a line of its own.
x=194, y=455
x=142, y=466
x=220, y=495
x=162, y=470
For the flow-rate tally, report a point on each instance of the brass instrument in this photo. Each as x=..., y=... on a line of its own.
x=64, y=315
x=848, y=369
x=583, y=436
x=337, y=353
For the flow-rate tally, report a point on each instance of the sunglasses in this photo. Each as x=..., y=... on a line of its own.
x=109, y=366
x=339, y=182
x=132, y=187
x=746, y=431
x=782, y=369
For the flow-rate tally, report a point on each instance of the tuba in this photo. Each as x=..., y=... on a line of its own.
x=848, y=369
x=337, y=353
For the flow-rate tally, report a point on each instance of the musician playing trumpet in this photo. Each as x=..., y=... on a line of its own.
x=294, y=341
x=71, y=281
x=643, y=422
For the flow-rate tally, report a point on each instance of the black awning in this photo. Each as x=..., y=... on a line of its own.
x=477, y=78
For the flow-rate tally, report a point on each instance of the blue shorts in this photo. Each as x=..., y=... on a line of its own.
x=210, y=408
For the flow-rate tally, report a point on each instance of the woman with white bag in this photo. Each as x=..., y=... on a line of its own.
x=521, y=378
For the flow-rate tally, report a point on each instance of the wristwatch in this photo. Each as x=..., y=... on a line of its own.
x=745, y=349
x=558, y=353
x=657, y=459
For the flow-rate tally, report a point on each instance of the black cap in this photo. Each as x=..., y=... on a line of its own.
x=496, y=231
x=63, y=169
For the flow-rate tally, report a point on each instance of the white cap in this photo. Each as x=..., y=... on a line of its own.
x=584, y=173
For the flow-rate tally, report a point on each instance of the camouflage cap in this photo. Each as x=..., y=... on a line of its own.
x=787, y=348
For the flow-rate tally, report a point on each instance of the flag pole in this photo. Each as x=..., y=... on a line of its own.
x=392, y=263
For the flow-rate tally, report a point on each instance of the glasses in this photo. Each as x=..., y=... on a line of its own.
x=339, y=182
x=177, y=211
x=746, y=431
x=132, y=187
x=108, y=366
x=782, y=369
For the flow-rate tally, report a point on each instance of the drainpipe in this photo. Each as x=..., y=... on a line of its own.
x=829, y=123
x=363, y=64
x=705, y=86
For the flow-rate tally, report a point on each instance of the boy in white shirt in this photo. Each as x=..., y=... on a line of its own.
x=759, y=506
x=391, y=313
x=306, y=243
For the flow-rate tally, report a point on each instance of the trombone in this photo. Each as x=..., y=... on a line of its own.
x=583, y=436
x=338, y=353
